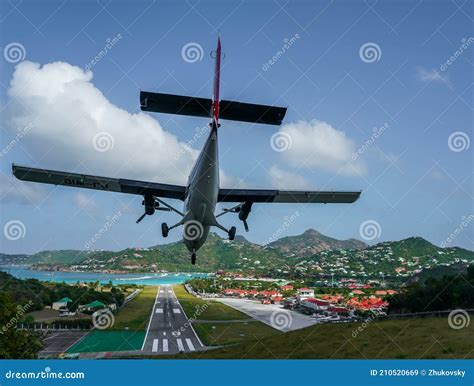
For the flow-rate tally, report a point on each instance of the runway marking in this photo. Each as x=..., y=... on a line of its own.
x=159, y=310
x=150, y=319
x=180, y=344
x=176, y=310
x=190, y=345
x=155, y=345
x=165, y=345
x=169, y=291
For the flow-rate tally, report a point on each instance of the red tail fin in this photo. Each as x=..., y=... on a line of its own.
x=217, y=75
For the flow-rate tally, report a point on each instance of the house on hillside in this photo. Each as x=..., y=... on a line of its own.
x=287, y=287
x=304, y=293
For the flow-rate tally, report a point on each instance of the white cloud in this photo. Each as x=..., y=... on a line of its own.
x=282, y=179
x=85, y=202
x=318, y=145
x=431, y=75
x=16, y=192
x=67, y=111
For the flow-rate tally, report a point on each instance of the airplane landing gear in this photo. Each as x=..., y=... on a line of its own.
x=193, y=259
x=232, y=231
x=164, y=229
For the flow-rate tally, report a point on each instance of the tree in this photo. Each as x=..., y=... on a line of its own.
x=15, y=344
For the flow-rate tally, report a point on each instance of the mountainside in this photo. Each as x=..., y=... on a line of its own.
x=311, y=242
x=308, y=254
x=13, y=259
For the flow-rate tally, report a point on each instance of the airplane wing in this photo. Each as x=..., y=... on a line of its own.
x=85, y=181
x=287, y=196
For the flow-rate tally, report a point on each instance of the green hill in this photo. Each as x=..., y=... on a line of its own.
x=311, y=242
x=307, y=255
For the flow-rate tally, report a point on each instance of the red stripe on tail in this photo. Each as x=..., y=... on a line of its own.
x=217, y=75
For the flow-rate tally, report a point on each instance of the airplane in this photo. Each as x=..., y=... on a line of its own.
x=202, y=192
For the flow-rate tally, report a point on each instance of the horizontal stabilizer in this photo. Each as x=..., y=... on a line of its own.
x=248, y=112
x=175, y=104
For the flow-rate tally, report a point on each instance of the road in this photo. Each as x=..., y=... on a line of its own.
x=271, y=314
x=169, y=331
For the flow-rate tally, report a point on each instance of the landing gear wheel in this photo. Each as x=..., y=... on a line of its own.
x=164, y=229
x=193, y=259
x=232, y=231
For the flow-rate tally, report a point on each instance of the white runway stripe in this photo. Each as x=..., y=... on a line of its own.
x=176, y=310
x=180, y=344
x=165, y=345
x=155, y=345
x=159, y=310
x=190, y=345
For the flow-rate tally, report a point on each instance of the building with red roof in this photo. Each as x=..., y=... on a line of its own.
x=316, y=304
x=339, y=310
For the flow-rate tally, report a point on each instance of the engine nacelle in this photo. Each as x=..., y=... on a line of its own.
x=245, y=210
x=149, y=203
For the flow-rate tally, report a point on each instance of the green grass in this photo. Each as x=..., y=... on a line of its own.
x=427, y=338
x=197, y=308
x=216, y=334
x=135, y=314
x=102, y=341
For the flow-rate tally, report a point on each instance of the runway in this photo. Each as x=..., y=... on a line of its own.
x=169, y=331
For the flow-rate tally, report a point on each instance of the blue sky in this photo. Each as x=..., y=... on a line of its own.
x=415, y=175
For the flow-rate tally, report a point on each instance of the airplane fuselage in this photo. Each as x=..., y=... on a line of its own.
x=201, y=194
